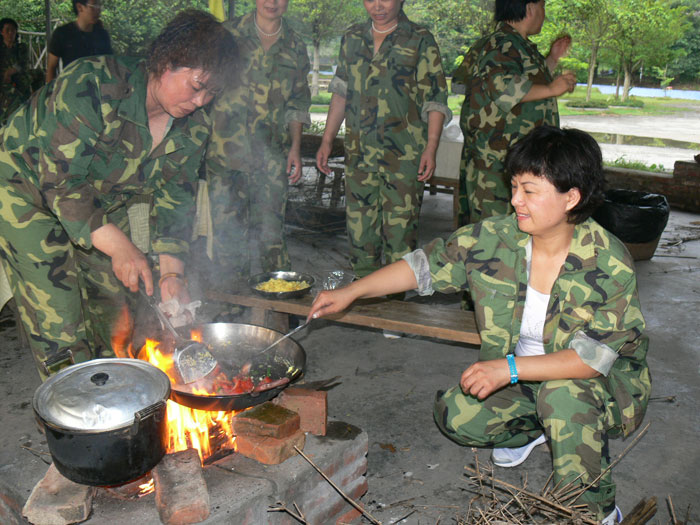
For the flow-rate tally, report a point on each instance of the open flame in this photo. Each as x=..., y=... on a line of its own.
x=208, y=432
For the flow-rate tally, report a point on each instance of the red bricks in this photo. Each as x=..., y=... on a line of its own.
x=267, y=420
x=311, y=405
x=270, y=450
x=181, y=492
x=57, y=500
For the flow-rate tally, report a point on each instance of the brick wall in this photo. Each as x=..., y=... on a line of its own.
x=682, y=188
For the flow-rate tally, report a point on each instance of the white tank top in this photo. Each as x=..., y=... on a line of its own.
x=532, y=326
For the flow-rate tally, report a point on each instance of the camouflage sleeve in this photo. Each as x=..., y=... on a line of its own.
x=420, y=266
x=339, y=83
x=617, y=324
x=506, y=82
x=459, y=78
x=69, y=134
x=447, y=260
x=432, y=86
x=297, y=109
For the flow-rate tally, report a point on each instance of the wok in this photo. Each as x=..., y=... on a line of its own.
x=233, y=346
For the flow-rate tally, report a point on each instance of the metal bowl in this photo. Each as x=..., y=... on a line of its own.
x=287, y=276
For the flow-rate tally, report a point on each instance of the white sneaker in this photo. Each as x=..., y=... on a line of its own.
x=613, y=518
x=512, y=457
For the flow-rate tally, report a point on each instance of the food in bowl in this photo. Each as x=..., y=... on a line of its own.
x=281, y=285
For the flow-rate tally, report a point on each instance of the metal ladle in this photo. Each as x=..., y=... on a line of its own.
x=288, y=334
x=193, y=360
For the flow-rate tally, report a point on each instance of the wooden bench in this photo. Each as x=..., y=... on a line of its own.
x=429, y=320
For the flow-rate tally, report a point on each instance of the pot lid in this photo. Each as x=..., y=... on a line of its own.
x=102, y=394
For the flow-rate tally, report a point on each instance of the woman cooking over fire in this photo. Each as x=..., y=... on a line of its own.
x=563, y=354
x=390, y=89
x=108, y=132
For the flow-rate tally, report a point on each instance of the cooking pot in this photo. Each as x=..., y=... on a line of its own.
x=104, y=420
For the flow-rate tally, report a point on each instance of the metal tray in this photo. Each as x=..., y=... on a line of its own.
x=287, y=276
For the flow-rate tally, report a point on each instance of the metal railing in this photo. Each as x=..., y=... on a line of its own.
x=37, y=44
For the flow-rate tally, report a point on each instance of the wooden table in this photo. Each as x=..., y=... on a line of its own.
x=429, y=320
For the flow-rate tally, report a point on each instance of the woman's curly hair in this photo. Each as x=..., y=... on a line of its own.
x=196, y=40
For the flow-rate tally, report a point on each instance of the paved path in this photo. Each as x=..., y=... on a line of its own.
x=684, y=126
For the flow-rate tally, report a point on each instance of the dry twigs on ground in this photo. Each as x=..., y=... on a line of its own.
x=498, y=502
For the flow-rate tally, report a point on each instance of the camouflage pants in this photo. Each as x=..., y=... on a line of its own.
x=484, y=189
x=267, y=198
x=575, y=415
x=68, y=298
x=382, y=211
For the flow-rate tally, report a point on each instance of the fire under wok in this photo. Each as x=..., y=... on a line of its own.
x=244, y=377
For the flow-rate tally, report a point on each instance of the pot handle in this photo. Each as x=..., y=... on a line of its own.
x=156, y=410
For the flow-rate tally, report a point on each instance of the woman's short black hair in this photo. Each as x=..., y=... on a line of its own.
x=11, y=21
x=197, y=40
x=568, y=158
x=511, y=10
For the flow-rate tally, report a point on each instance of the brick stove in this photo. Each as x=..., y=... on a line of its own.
x=234, y=489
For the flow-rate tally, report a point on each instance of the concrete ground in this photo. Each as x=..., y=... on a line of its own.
x=386, y=387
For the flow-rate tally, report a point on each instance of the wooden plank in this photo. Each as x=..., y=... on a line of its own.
x=441, y=322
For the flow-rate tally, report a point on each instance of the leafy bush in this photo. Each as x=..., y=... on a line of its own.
x=622, y=162
x=593, y=104
x=322, y=98
x=631, y=102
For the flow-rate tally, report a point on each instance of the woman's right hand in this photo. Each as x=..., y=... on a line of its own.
x=128, y=262
x=322, y=155
x=330, y=302
x=564, y=83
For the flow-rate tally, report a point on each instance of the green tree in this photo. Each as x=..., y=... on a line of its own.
x=686, y=66
x=590, y=24
x=644, y=33
x=322, y=21
x=455, y=24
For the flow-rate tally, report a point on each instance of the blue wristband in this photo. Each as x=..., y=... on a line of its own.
x=513, y=370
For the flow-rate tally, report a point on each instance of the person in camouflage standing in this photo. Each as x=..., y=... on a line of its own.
x=563, y=351
x=107, y=132
x=17, y=79
x=390, y=88
x=254, y=151
x=509, y=89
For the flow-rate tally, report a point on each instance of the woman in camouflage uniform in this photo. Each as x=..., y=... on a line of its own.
x=509, y=89
x=391, y=90
x=108, y=132
x=255, y=149
x=563, y=352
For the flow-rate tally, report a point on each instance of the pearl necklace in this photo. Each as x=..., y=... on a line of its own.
x=386, y=30
x=263, y=33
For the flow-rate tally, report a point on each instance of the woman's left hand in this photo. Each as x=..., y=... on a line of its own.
x=426, y=167
x=483, y=378
x=294, y=166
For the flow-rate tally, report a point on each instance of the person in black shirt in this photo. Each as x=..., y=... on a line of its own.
x=82, y=38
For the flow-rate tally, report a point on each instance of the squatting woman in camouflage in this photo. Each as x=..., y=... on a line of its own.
x=390, y=89
x=108, y=132
x=255, y=149
x=563, y=352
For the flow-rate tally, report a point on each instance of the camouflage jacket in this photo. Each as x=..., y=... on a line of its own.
x=593, y=308
x=16, y=56
x=251, y=120
x=389, y=95
x=497, y=72
x=81, y=148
